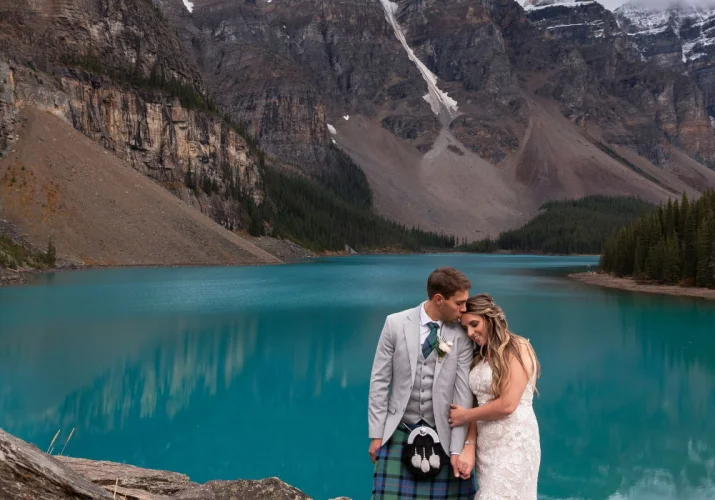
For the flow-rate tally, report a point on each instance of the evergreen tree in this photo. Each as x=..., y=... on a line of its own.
x=705, y=242
x=675, y=244
x=51, y=253
x=571, y=226
x=671, y=261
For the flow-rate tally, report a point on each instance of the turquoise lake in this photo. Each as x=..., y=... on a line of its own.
x=251, y=372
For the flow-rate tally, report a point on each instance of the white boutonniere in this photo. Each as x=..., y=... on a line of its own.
x=443, y=347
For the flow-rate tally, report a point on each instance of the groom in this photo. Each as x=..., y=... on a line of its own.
x=421, y=366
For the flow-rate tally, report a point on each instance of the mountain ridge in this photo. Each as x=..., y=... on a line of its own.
x=523, y=106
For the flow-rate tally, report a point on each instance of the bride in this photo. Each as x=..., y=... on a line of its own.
x=503, y=380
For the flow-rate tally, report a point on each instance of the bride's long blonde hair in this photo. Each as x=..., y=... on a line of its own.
x=501, y=343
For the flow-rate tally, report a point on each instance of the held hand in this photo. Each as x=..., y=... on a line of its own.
x=467, y=459
x=457, y=465
x=457, y=416
x=375, y=445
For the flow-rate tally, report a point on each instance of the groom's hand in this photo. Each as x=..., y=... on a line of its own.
x=375, y=446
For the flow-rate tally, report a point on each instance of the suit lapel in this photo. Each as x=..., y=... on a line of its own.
x=447, y=334
x=412, y=338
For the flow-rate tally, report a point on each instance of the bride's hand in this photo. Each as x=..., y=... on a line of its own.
x=457, y=416
x=467, y=461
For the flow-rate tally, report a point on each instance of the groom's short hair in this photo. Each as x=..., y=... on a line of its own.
x=446, y=281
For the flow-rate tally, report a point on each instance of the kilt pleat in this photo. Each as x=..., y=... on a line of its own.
x=393, y=481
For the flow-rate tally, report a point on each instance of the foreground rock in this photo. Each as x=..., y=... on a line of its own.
x=272, y=488
x=129, y=481
x=14, y=276
x=28, y=473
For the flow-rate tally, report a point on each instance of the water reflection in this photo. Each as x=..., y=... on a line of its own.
x=628, y=388
x=219, y=381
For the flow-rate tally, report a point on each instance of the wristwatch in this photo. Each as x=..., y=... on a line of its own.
x=468, y=441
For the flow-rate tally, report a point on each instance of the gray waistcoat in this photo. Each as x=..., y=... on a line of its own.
x=420, y=405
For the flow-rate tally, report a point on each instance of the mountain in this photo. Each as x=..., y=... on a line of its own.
x=680, y=37
x=465, y=116
x=459, y=117
x=116, y=72
x=677, y=33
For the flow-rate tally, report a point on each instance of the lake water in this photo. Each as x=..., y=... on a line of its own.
x=225, y=373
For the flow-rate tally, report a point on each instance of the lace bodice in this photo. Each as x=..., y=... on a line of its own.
x=480, y=382
x=508, y=449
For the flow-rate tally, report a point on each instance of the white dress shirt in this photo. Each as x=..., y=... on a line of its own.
x=424, y=320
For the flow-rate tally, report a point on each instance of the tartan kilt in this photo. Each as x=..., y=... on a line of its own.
x=393, y=481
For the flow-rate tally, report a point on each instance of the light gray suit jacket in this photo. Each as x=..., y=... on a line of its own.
x=393, y=375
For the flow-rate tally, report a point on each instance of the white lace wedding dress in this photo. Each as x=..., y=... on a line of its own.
x=508, y=450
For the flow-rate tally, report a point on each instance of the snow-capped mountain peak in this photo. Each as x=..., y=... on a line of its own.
x=690, y=26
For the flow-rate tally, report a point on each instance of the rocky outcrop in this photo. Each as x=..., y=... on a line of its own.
x=8, y=110
x=127, y=480
x=286, y=68
x=272, y=488
x=574, y=21
x=130, y=37
x=117, y=72
x=676, y=36
x=462, y=45
x=197, y=155
x=27, y=472
x=288, y=73
x=606, y=75
x=669, y=35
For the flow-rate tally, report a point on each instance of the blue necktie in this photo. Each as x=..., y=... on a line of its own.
x=431, y=340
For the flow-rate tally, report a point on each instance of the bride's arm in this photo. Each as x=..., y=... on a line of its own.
x=498, y=408
x=468, y=456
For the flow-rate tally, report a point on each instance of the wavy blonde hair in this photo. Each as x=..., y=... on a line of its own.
x=501, y=343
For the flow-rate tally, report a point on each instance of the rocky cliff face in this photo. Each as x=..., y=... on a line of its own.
x=573, y=21
x=8, y=109
x=669, y=34
x=117, y=72
x=288, y=68
x=639, y=93
x=288, y=74
x=465, y=49
x=678, y=37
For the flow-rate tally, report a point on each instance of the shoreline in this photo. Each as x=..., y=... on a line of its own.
x=629, y=285
x=18, y=277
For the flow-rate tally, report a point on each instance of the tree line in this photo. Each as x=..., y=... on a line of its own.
x=14, y=254
x=673, y=245
x=568, y=226
x=320, y=219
